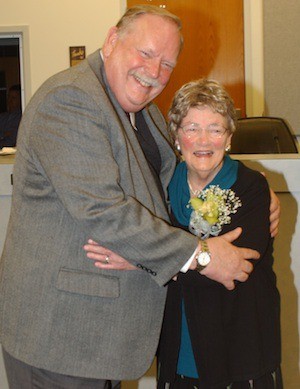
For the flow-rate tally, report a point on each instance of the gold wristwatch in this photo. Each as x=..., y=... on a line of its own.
x=203, y=256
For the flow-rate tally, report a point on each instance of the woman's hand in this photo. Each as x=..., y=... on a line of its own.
x=105, y=258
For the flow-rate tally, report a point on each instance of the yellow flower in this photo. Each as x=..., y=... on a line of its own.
x=196, y=203
x=211, y=210
x=208, y=208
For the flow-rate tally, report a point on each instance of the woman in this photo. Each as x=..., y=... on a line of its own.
x=212, y=337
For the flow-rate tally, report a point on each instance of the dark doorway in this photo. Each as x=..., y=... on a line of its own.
x=9, y=67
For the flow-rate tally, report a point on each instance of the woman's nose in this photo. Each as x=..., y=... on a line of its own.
x=202, y=135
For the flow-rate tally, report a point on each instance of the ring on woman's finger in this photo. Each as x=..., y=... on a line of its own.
x=107, y=259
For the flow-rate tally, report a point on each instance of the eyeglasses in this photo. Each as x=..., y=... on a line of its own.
x=213, y=131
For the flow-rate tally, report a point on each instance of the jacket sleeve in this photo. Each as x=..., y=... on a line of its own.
x=253, y=216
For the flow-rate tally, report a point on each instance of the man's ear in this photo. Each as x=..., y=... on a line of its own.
x=110, y=41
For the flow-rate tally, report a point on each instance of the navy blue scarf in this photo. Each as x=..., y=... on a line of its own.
x=179, y=197
x=179, y=193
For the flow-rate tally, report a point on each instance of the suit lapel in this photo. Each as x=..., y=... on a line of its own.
x=155, y=122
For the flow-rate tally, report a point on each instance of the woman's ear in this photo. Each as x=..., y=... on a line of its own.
x=228, y=146
x=177, y=145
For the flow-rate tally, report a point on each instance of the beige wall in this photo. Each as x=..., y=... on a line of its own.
x=282, y=60
x=50, y=27
x=49, y=30
x=272, y=76
x=254, y=63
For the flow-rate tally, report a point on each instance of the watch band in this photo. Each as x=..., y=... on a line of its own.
x=203, y=255
x=204, y=246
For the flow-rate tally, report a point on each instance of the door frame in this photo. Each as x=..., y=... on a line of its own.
x=254, y=58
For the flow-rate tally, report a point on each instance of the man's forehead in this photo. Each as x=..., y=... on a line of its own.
x=147, y=19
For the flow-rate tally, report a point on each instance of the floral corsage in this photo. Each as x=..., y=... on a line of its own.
x=211, y=210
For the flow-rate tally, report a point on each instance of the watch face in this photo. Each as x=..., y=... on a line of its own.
x=203, y=258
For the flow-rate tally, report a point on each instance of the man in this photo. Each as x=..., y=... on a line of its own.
x=9, y=121
x=83, y=171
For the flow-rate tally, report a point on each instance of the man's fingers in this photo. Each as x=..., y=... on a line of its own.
x=242, y=277
x=250, y=254
x=229, y=285
x=275, y=214
x=274, y=220
x=274, y=232
x=232, y=235
x=105, y=258
x=95, y=248
x=92, y=242
x=96, y=256
x=105, y=266
x=247, y=267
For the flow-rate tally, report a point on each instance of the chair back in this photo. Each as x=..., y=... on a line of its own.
x=263, y=135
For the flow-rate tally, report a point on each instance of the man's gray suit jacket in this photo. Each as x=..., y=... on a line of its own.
x=80, y=173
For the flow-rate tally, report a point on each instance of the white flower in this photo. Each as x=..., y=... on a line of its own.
x=211, y=210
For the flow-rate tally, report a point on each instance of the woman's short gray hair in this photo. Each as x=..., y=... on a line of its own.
x=134, y=12
x=201, y=93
